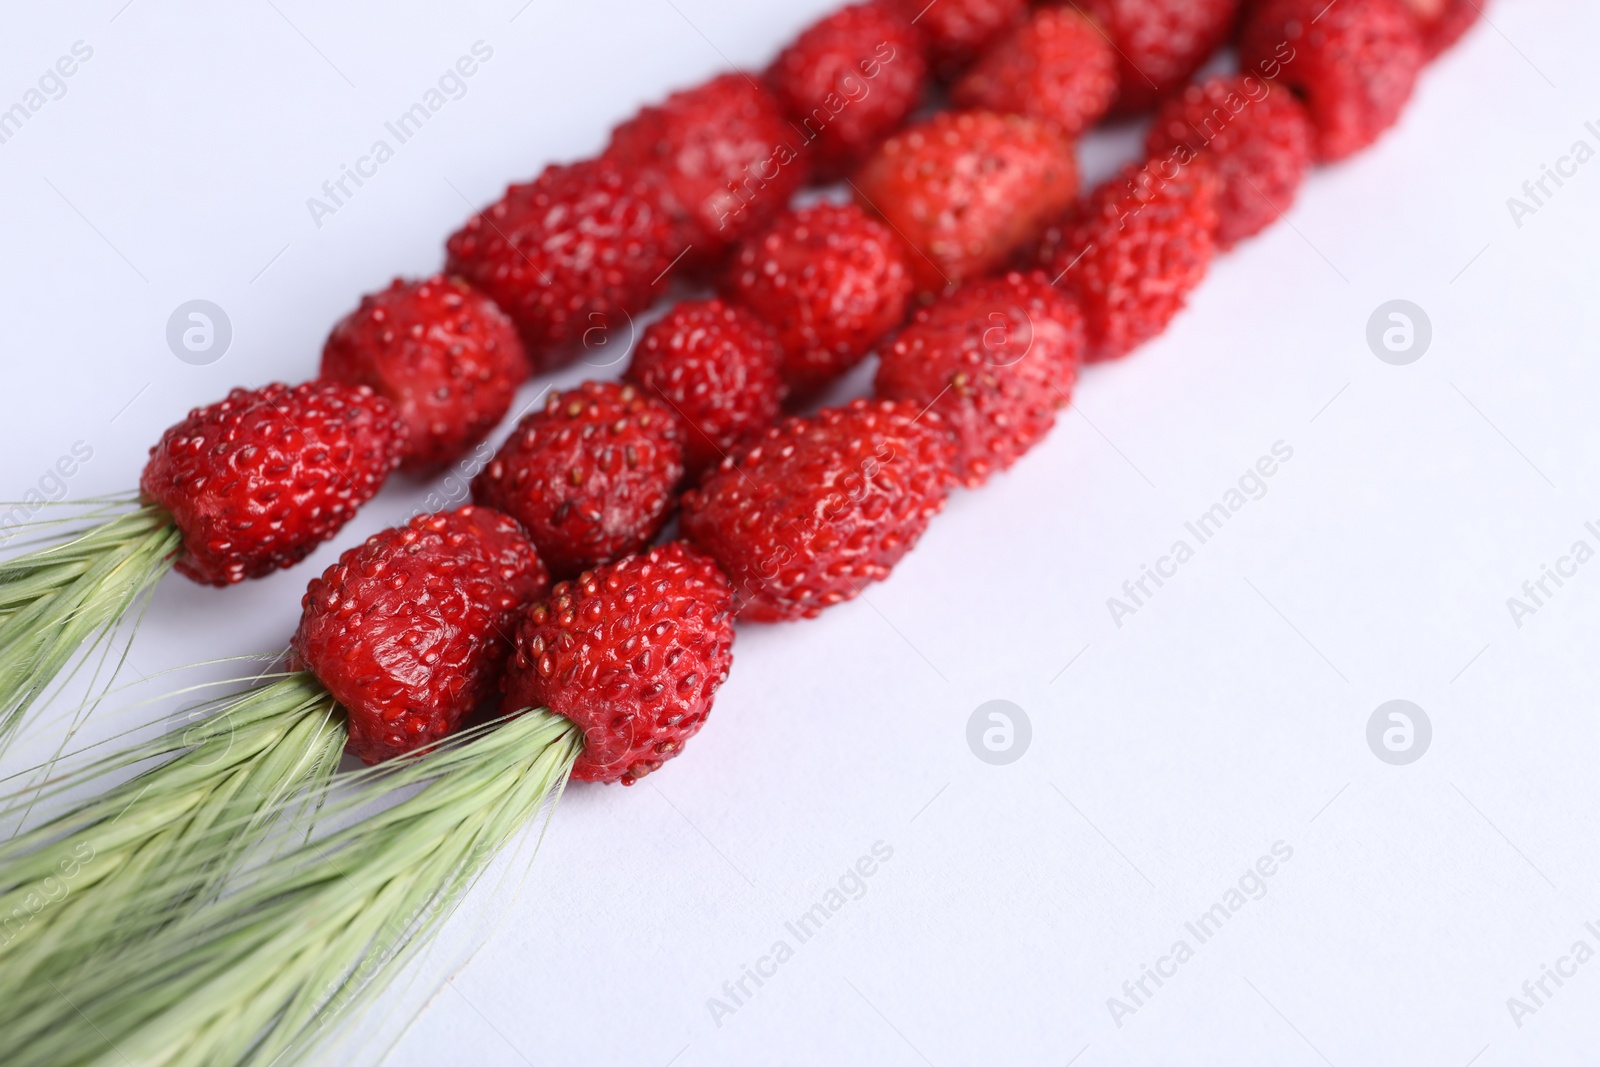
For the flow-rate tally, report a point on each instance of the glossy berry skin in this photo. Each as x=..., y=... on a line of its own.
x=1257, y=137
x=1354, y=66
x=849, y=80
x=1056, y=66
x=995, y=359
x=719, y=367
x=570, y=256
x=633, y=652
x=256, y=482
x=831, y=280
x=954, y=32
x=1160, y=43
x=410, y=630
x=821, y=506
x=725, y=153
x=442, y=353
x=591, y=477
x=967, y=188
x=1132, y=251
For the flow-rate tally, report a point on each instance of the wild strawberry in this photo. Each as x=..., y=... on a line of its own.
x=591, y=477
x=821, y=505
x=955, y=31
x=724, y=152
x=1442, y=22
x=442, y=353
x=409, y=631
x=1354, y=63
x=967, y=188
x=1056, y=66
x=831, y=280
x=1257, y=140
x=1160, y=43
x=995, y=359
x=719, y=368
x=633, y=652
x=570, y=256
x=848, y=80
x=1132, y=251
x=254, y=483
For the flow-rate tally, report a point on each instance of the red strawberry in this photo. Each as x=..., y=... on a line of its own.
x=719, y=367
x=831, y=280
x=1160, y=43
x=1056, y=66
x=409, y=631
x=1442, y=22
x=955, y=31
x=257, y=481
x=1132, y=251
x=591, y=477
x=1257, y=139
x=967, y=188
x=821, y=505
x=633, y=652
x=569, y=256
x=849, y=80
x=442, y=353
x=725, y=152
x=995, y=359
x=1354, y=63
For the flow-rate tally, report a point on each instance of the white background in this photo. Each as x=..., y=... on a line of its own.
x=1228, y=714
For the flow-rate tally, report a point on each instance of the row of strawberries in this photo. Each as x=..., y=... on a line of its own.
x=968, y=220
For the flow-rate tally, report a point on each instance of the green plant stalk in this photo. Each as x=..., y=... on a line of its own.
x=57, y=599
x=266, y=973
x=113, y=870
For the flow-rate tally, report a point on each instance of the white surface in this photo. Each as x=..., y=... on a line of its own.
x=1227, y=715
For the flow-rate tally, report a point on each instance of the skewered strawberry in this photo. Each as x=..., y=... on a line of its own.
x=966, y=189
x=994, y=359
x=821, y=506
x=632, y=652
x=444, y=355
x=848, y=80
x=831, y=280
x=571, y=255
x=718, y=366
x=591, y=477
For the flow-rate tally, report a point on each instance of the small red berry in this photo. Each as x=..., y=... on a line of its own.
x=409, y=630
x=1354, y=63
x=995, y=359
x=967, y=188
x=1160, y=43
x=1257, y=137
x=821, y=505
x=633, y=652
x=719, y=367
x=849, y=80
x=954, y=32
x=1443, y=22
x=591, y=477
x=259, y=480
x=831, y=280
x=570, y=256
x=442, y=353
x=1056, y=66
x=724, y=152
x=1132, y=251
